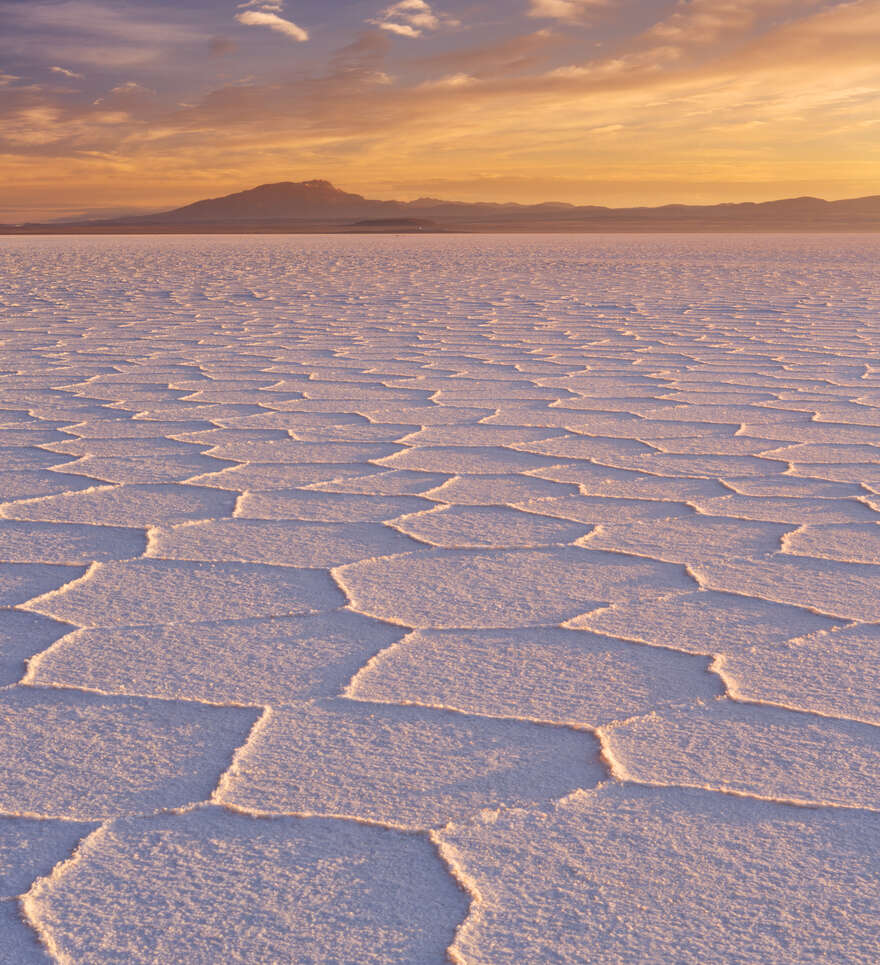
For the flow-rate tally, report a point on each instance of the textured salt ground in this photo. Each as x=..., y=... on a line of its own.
x=151, y=448
x=706, y=622
x=19, y=582
x=667, y=875
x=187, y=410
x=147, y=591
x=812, y=433
x=793, y=486
x=491, y=526
x=29, y=437
x=546, y=674
x=270, y=661
x=327, y=507
x=389, y=433
x=840, y=589
x=691, y=539
x=716, y=444
x=668, y=447
x=69, y=543
x=267, y=477
x=594, y=479
x=623, y=425
x=708, y=466
x=735, y=747
x=497, y=588
x=31, y=847
x=87, y=757
x=791, y=509
x=492, y=490
x=820, y=453
x=35, y=483
x=290, y=421
x=291, y=451
x=130, y=505
x=21, y=636
x=476, y=460
x=20, y=945
x=394, y=482
x=338, y=758
x=864, y=474
x=284, y=542
x=834, y=673
x=476, y=435
x=852, y=543
x=319, y=889
x=602, y=510
x=142, y=470
x=124, y=427
x=208, y=438
x=29, y=458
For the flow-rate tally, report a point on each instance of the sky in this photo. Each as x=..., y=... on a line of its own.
x=108, y=106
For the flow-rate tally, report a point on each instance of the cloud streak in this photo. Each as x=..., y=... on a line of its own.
x=566, y=10
x=91, y=32
x=70, y=74
x=269, y=15
x=411, y=18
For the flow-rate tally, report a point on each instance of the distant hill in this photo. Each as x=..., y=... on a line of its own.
x=313, y=206
x=306, y=200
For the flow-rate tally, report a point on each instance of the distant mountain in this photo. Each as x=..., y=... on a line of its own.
x=306, y=200
x=312, y=206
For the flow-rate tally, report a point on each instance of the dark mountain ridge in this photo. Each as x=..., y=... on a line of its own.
x=317, y=205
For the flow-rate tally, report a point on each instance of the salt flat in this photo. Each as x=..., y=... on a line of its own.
x=423, y=599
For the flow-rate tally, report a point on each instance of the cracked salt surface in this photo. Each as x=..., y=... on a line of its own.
x=486, y=599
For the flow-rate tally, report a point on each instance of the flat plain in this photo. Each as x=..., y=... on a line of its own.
x=472, y=598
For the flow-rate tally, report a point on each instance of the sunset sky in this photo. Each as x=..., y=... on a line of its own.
x=115, y=106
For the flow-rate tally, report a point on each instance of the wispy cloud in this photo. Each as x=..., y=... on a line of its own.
x=698, y=22
x=451, y=82
x=569, y=10
x=255, y=13
x=131, y=87
x=411, y=18
x=93, y=32
x=70, y=74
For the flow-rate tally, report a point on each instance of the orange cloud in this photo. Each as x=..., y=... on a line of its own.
x=411, y=18
x=268, y=15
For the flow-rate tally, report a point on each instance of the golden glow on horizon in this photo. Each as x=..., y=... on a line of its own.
x=715, y=100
